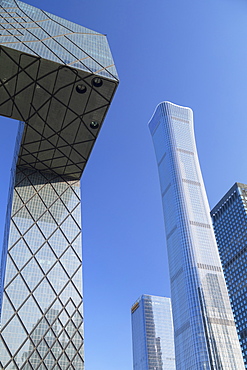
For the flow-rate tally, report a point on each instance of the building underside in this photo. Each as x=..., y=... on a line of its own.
x=58, y=80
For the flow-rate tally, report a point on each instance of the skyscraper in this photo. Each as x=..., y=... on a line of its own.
x=204, y=329
x=230, y=226
x=58, y=79
x=152, y=334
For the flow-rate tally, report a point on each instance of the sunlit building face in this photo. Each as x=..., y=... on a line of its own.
x=152, y=334
x=204, y=329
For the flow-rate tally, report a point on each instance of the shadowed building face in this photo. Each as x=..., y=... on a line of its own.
x=58, y=79
x=229, y=218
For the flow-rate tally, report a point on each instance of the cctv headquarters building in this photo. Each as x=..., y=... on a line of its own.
x=58, y=79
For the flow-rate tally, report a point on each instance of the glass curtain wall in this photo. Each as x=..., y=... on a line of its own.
x=152, y=334
x=204, y=328
x=42, y=302
x=58, y=78
x=230, y=226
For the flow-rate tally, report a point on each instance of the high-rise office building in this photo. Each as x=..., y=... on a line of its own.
x=58, y=79
x=230, y=226
x=204, y=329
x=152, y=334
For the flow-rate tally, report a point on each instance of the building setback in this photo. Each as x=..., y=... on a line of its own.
x=58, y=79
x=204, y=329
x=152, y=334
x=230, y=226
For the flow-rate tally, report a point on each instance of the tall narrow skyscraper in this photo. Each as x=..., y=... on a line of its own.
x=230, y=226
x=58, y=79
x=152, y=334
x=204, y=329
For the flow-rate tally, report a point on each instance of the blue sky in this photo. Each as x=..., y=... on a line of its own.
x=192, y=53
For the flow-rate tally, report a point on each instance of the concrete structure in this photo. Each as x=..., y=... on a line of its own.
x=204, y=328
x=230, y=226
x=58, y=79
x=152, y=334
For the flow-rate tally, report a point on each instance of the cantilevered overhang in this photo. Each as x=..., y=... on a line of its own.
x=63, y=109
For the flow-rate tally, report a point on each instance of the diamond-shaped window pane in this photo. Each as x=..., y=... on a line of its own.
x=47, y=225
x=78, y=320
x=64, y=318
x=34, y=238
x=70, y=308
x=78, y=362
x=30, y=314
x=18, y=291
x=78, y=340
x=20, y=253
x=57, y=277
x=14, y=330
x=33, y=358
x=64, y=362
x=70, y=261
x=70, y=229
x=45, y=257
x=58, y=211
x=70, y=199
x=54, y=353
x=58, y=242
x=70, y=351
x=64, y=337
x=32, y=274
x=36, y=207
x=43, y=346
x=44, y=295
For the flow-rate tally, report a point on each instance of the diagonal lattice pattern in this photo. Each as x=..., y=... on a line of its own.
x=42, y=305
x=58, y=79
x=39, y=33
x=59, y=134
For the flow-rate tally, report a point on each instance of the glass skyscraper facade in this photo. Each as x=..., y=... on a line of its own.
x=230, y=226
x=204, y=329
x=58, y=79
x=152, y=334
